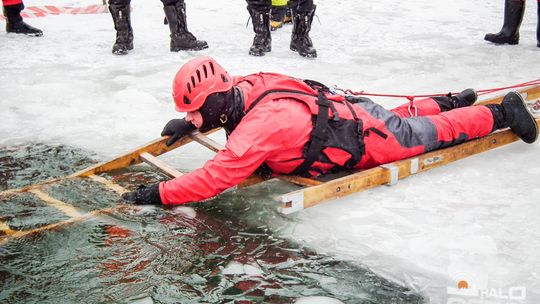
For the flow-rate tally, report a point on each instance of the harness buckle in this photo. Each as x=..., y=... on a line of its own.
x=223, y=118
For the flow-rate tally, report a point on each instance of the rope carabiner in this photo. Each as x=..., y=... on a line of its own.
x=335, y=90
x=412, y=107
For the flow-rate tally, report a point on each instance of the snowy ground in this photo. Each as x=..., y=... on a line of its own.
x=475, y=220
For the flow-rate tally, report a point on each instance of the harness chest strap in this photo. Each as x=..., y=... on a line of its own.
x=318, y=135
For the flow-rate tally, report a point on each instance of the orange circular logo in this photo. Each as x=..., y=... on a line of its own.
x=462, y=285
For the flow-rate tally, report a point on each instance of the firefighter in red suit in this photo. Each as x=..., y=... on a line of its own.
x=295, y=126
x=14, y=21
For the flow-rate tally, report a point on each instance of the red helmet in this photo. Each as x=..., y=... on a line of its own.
x=197, y=79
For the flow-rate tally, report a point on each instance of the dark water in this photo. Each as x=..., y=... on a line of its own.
x=24, y=165
x=220, y=251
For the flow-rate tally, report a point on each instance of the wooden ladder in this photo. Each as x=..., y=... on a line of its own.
x=314, y=192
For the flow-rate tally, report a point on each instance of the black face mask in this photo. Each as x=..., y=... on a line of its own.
x=222, y=110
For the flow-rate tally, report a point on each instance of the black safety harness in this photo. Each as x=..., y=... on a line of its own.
x=319, y=135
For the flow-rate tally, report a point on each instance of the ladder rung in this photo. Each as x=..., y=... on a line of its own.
x=5, y=230
x=22, y=233
x=65, y=208
x=207, y=142
x=115, y=187
x=160, y=165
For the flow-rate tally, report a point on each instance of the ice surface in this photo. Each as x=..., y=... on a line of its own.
x=317, y=300
x=239, y=268
x=475, y=220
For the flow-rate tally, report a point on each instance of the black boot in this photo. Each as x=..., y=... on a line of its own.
x=181, y=38
x=15, y=23
x=262, y=42
x=464, y=99
x=538, y=25
x=122, y=25
x=513, y=113
x=513, y=15
x=300, y=41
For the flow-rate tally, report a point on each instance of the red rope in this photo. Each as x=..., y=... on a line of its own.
x=412, y=97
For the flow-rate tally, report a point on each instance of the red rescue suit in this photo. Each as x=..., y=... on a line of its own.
x=276, y=130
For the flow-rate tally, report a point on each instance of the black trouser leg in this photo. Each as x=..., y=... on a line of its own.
x=538, y=24
x=259, y=5
x=277, y=16
x=302, y=6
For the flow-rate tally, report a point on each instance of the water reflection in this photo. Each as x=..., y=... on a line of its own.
x=220, y=251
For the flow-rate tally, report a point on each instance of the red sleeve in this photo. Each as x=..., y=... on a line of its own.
x=254, y=139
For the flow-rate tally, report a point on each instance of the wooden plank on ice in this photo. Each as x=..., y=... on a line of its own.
x=155, y=147
x=528, y=93
x=22, y=233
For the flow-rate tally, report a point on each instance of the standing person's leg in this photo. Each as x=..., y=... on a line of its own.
x=513, y=15
x=288, y=13
x=181, y=38
x=259, y=10
x=120, y=12
x=538, y=24
x=277, y=15
x=303, y=13
x=14, y=21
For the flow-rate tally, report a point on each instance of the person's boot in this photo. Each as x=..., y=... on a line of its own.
x=513, y=113
x=538, y=25
x=464, y=99
x=181, y=38
x=513, y=15
x=15, y=23
x=262, y=42
x=124, y=32
x=300, y=41
x=277, y=17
